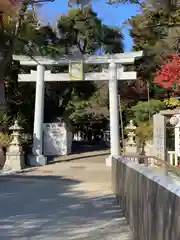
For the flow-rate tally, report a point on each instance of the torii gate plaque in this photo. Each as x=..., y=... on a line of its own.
x=40, y=76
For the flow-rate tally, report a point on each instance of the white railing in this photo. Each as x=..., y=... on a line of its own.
x=172, y=158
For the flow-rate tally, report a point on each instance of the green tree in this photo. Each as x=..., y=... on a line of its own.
x=143, y=111
x=88, y=2
x=95, y=108
x=80, y=24
x=84, y=24
x=58, y=96
x=111, y=40
x=153, y=31
x=9, y=10
x=97, y=36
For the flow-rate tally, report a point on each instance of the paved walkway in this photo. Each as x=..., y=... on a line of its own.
x=66, y=200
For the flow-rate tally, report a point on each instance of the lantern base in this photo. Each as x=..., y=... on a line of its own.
x=14, y=161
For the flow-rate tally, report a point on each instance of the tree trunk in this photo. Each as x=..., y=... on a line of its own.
x=3, y=103
x=6, y=51
x=65, y=101
x=3, y=107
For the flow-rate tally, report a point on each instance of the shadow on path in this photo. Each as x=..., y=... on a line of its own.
x=49, y=208
x=71, y=157
x=82, y=147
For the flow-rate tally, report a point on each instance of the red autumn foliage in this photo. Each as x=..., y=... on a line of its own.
x=8, y=5
x=169, y=74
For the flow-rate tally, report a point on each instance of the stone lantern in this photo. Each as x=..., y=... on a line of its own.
x=130, y=144
x=15, y=155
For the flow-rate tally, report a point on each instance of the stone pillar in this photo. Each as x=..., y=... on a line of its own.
x=177, y=135
x=14, y=155
x=114, y=114
x=37, y=158
x=175, y=122
x=159, y=136
x=130, y=144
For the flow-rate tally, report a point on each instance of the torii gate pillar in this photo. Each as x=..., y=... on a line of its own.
x=38, y=158
x=114, y=114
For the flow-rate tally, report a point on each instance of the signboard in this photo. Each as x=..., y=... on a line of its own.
x=159, y=136
x=55, y=139
x=76, y=71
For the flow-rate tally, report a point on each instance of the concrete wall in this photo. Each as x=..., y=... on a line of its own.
x=150, y=202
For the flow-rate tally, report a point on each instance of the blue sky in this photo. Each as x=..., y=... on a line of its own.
x=110, y=15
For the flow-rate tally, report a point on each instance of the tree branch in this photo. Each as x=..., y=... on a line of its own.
x=7, y=54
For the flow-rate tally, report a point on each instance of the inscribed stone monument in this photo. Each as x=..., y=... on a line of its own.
x=159, y=136
x=57, y=139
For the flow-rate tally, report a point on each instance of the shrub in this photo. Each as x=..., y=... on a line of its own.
x=144, y=131
x=4, y=140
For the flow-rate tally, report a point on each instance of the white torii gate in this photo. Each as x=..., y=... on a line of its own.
x=41, y=76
